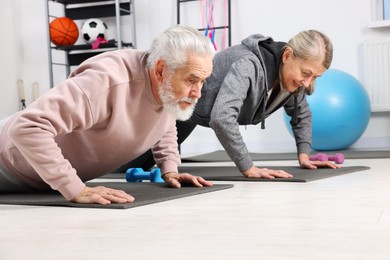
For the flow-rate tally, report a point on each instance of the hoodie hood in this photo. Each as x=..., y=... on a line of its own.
x=269, y=52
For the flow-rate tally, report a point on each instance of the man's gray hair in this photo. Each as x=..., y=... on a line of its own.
x=175, y=44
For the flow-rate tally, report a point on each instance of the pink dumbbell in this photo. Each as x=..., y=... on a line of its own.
x=337, y=158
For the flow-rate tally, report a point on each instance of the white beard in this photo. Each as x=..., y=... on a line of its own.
x=172, y=105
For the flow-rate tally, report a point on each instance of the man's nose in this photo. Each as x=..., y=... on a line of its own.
x=196, y=91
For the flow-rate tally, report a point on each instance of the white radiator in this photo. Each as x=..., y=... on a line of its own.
x=376, y=60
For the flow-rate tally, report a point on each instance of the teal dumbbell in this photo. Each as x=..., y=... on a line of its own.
x=138, y=175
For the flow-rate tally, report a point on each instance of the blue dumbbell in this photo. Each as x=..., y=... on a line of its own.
x=138, y=175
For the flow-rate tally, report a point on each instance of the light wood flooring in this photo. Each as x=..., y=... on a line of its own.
x=345, y=217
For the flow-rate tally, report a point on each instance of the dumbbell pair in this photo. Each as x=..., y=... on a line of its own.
x=337, y=158
x=138, y=175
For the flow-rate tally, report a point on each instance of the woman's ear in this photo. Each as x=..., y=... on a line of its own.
x=287, y=54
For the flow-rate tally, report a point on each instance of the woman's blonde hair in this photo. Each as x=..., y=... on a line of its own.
x=312, y=45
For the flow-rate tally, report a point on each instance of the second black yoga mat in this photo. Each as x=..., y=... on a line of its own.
x=221, y=156
x=231, y=173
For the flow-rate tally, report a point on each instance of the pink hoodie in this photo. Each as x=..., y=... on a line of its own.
x=101, y=117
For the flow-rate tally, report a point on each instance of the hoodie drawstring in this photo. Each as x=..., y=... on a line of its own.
x=294, y=119
x=264, y=107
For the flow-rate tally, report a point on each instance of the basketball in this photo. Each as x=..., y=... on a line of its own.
x=63, y=31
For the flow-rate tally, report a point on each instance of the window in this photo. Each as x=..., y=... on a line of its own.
x=386, y=9
x=380, y=13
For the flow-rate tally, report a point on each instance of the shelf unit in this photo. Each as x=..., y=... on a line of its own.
x=78, y=10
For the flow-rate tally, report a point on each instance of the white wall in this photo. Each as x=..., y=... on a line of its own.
x=10, y=60
x=24, y=52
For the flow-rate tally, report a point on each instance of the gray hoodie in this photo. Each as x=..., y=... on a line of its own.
x=236, y=94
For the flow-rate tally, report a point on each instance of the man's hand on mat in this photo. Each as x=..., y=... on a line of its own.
x=175, y=180
x=102, y=195
x=255, y=172
x=305, y=162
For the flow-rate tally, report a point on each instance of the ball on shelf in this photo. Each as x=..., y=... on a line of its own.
x=92, y=29
x=63, y=31
x=341, y=111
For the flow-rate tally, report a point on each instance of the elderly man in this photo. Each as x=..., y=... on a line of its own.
x=111, y=109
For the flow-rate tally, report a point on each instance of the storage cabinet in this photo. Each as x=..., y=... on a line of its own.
x=120, y=13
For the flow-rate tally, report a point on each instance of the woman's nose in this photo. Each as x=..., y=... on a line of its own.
x=306, y=82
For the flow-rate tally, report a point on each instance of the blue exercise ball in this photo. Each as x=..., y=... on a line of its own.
x=341, y=111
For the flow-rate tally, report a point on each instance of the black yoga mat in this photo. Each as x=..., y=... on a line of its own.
x=221, y=156
x=144, y=193
x=231, y=173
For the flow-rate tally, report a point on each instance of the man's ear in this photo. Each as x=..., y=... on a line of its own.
x=159, y=70
x=287, y=54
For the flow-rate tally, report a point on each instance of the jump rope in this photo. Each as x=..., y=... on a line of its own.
x=207, y=12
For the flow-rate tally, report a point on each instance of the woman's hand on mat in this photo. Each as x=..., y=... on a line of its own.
x=255, y=172
x=305, y=163
x=102, y=195
x=175, y=180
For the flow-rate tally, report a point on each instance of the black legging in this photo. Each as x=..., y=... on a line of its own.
x=146, y=160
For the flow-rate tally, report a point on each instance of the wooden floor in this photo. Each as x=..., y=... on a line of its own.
x=345, y=217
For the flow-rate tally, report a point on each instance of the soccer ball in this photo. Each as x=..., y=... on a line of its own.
x=92, y=29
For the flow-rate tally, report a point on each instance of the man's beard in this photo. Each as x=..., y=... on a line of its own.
x=172, y=105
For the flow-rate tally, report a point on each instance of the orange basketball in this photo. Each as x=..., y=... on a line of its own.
x=63, y=31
